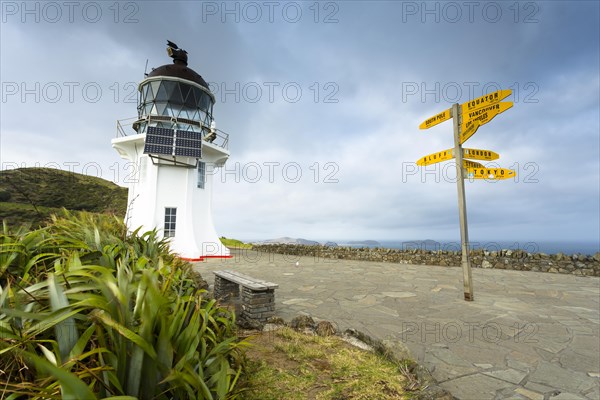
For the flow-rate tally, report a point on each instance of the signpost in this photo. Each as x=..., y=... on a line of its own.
x=436, y=157
x=484, y=114
x=471, y=164
x=489, y=173
x=476, y=154
x=485, y=100
x=436, y=119
x=467, y=118
x=462, y=208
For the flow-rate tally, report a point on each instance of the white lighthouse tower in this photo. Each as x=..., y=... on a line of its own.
x=172, y=152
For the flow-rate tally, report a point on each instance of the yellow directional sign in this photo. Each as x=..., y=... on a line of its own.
x=476, y=154
x=486, y=100
x=490, y=173
x=465, y=134
x=446, y=155
x=484, y=114
x=472, y=164
x=436, y=157
x=436, y=119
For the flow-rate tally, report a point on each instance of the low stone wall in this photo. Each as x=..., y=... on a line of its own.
x=576, y=264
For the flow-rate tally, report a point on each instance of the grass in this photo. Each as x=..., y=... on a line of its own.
x=234, y=243
x=285, y=364
x=28, y=196
x=16, y=214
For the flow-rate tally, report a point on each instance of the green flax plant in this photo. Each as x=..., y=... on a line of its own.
x=88, y=311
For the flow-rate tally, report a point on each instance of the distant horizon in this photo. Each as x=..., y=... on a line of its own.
x=441, y=240
x=550, y=246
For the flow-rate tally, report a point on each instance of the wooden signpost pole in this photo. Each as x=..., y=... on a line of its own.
x=476, y=112
x=462, y=205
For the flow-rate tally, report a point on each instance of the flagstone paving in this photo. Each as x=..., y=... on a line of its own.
x=527, y=335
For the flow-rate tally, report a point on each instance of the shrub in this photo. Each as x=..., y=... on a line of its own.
x=88, y=311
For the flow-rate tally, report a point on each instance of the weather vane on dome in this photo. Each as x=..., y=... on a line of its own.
x=178, y=55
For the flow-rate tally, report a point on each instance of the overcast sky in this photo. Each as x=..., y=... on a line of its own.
x=322, y=102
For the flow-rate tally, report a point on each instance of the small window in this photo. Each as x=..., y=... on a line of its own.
x=201, y=174
x=170, y=219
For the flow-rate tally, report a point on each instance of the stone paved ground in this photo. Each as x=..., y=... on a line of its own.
x=527, y=335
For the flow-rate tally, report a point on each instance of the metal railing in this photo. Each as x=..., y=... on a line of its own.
x=122, y=123
x=217, y=137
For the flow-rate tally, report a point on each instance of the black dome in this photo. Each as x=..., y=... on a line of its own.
x=178, y=70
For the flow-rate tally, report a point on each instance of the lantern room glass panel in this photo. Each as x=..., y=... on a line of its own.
x=176, y=99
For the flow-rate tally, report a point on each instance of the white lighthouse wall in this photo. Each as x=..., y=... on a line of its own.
x=195, y=235
x=153, y=187
x=142, y=195
x=202, y=225
x=171, y=191
x=141, y=176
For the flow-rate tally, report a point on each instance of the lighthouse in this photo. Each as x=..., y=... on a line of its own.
x=171, y=152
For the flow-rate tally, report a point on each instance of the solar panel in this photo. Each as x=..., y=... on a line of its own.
x=167, y=141
x=154, y=130
x=153, y=139
x=158, y=149
x=189, y=135
x=159, y=141
x=188, y=152
x=187, y=142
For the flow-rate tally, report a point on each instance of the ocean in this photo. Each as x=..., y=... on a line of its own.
x=548, y=247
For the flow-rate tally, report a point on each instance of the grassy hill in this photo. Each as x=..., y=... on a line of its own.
x=30, y=195
x=234, y=243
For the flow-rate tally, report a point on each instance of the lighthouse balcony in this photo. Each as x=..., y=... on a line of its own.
x=214, y=137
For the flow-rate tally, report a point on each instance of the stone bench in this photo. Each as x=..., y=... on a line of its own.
x=257, y=297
